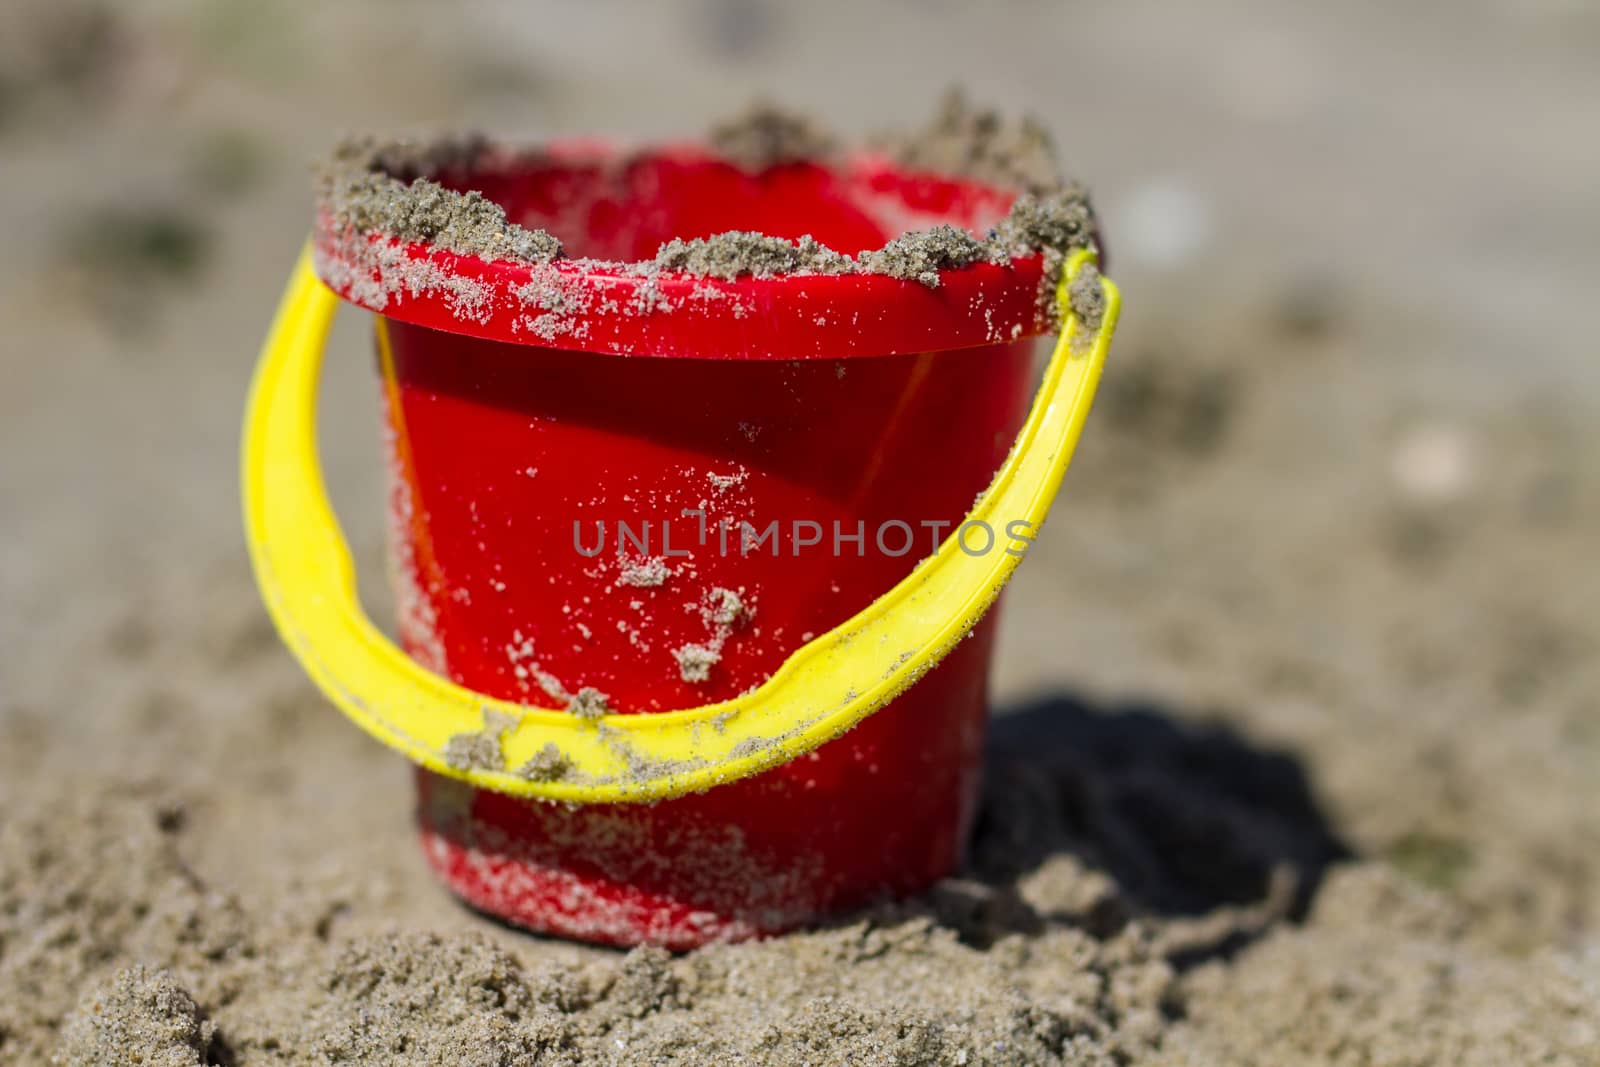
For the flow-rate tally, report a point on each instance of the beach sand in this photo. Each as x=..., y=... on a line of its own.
x=1298, y=741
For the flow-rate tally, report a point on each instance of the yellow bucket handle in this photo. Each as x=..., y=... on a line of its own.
x=307, y=580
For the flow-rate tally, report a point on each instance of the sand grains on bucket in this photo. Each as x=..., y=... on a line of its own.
x=377, y=194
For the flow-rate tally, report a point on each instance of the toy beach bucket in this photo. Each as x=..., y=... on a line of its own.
x=692, y=571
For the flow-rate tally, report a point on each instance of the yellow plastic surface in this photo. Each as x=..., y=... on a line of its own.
x=307, y=580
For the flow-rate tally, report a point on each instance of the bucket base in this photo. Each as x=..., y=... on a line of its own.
x=869, y=816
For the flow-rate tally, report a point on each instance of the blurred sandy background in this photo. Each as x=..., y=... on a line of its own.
x=1340, y=494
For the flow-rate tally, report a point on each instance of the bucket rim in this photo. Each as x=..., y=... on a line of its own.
x=615, y=307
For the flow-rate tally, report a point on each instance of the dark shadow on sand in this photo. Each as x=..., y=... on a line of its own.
x=1095, y=815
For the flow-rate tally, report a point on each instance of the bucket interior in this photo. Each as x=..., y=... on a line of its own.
x=623, y=207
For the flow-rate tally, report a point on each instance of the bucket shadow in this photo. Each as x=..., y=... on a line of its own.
x=1093, y=816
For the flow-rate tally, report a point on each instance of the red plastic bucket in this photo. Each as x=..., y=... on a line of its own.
x=574, y=490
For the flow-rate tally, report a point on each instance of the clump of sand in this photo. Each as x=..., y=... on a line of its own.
x=696, y=660
x=549, y=764
x=921, y=256
x=467, y=751
x=764, y=136
x=138, y=1017
x=648, y=573
x=979, y=143
x=1059, y=220
x=1087, y=297
x=724, y=611
x=480, y=749
x=589, y=703
x=738, y=253
x=360, y=189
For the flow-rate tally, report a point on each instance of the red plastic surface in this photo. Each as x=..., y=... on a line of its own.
x=499, y=448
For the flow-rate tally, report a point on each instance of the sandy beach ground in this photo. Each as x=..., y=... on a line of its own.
x=1298, y=758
